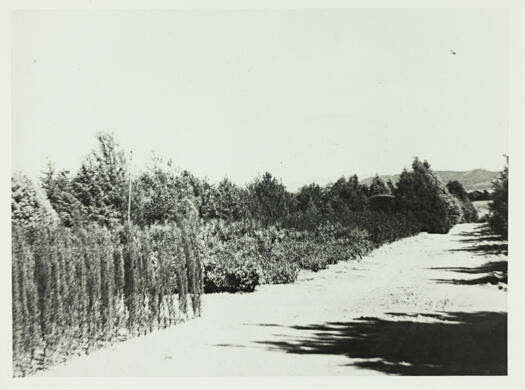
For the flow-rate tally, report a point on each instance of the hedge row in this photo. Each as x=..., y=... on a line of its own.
x=74, y=290
x=239, y=256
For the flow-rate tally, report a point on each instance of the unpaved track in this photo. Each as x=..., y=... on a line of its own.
x=418, y=306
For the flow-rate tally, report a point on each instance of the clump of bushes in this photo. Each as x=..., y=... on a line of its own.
x=469, y=212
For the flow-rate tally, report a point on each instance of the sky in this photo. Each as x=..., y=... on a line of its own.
x=308, y=95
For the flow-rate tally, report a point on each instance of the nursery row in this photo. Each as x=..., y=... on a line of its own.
x=74, y=290
x=238, y=256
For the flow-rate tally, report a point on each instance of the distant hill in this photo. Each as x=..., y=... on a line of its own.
x=475, y=179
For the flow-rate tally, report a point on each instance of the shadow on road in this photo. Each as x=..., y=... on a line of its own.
x=481, y=230
x=483, y=242
x=485, y=249
x=451, y=344
x=494, y=272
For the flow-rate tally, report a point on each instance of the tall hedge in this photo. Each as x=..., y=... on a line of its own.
x=77, y=289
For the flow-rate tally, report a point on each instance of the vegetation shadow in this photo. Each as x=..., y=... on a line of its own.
x=500, y=248
x=482, y=241
x=493, y=272
x=478, y=231
x=443, y=344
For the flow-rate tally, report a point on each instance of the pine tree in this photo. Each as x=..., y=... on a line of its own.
x=101, y=185
x=377, y=187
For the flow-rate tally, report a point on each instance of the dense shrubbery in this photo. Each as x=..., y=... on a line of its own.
x=422, y=193
x=499, y=206
x=477, y=195
x=74, y=289
x=275, y=254
x=469, y=212
x=82, y=275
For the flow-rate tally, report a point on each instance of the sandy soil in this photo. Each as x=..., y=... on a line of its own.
x=425, y=305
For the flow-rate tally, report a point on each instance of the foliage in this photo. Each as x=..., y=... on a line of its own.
x=161, y=193
x=347, y=195
x=76, y=289
x=422, y=192
x=232, y=201
x=311, y=198
x=83, y=276
x=58, y=187
x=378, y=187
x=469, y=212
x=101, y=184
x=230, y=258
x=268, y=198
x=499, y=206
x=478, y=195
x=275, y=254
x=29, y=207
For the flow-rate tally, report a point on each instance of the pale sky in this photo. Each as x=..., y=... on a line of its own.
x=308, y=95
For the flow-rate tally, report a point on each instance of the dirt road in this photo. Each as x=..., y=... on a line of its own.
x=422, y=305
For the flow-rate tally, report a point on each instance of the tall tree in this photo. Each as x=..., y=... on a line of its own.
x=311, y=196
x=101, y=185
x=29, y=206
x=377, y=187
x=232, y=201
x=165, y=194
x=347, y=195
x=58, y=187
x=269, y=200
x=422, y=192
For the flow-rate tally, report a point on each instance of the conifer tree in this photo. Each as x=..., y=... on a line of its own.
x=422, y=193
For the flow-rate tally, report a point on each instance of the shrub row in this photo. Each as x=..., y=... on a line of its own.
x=238, y=256
x=74, y=290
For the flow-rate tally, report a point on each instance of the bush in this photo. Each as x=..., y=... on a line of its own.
x=458, y=191
x=229, y=269
x=230, y=254
x=499, y=206
x=239, y=256
x=422, y=193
